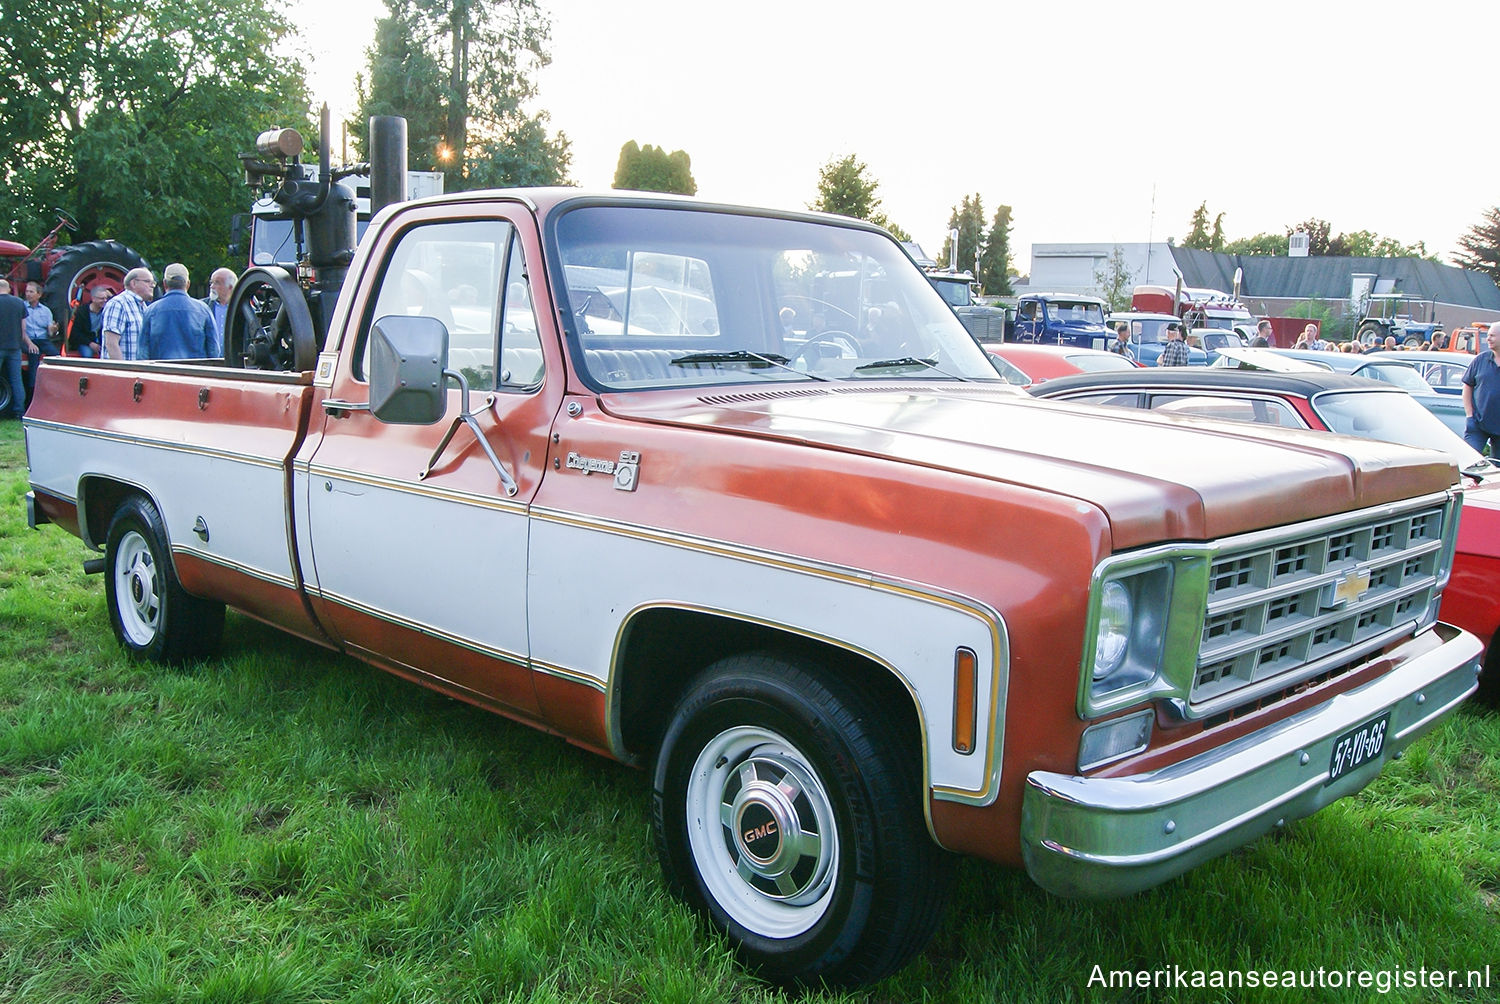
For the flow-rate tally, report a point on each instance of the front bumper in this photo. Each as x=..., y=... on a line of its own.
x=1112, y=836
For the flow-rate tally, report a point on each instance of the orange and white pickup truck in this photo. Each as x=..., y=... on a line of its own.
x=731, y=494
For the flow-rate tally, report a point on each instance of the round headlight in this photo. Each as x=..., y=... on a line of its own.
x=1113, y=639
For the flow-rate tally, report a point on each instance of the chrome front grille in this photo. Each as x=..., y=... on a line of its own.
x=1312, y=595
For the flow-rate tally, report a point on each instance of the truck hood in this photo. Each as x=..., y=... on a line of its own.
x=1154, y=477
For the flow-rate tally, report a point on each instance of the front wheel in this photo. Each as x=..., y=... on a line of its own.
x=789, y=816
x=151, y=614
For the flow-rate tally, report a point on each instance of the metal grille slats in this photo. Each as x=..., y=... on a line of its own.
x=1281, y=603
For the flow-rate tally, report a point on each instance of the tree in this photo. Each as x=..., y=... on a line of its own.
x=653, y=169
x=133, y=123
x=846, y=188
x=1481, y=245
x=1368, y=244
x=1115, y=281
x=1198, y=233
x=1273, y=244
x=461, y=72
x=994, y=260
x=968, y=219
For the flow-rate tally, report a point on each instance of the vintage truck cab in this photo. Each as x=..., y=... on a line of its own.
x=732, y=495
x=1061, y=319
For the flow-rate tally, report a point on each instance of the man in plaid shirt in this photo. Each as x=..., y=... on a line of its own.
x=123, y=315
x=1175, y=352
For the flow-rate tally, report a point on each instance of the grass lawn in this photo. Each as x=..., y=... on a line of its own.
x=281, y=824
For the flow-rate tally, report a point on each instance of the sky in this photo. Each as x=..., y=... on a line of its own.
x=1095, y=122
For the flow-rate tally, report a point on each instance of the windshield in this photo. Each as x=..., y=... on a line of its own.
x=1149, y=329
x=663, y=296
x=1395, y=418
x=1219, y=339
x=1399, y=374
x=272, y=241
x=955, y=291
x=1076, y=313
x=1100, y=362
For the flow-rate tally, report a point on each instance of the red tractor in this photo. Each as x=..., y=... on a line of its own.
x=67, y=272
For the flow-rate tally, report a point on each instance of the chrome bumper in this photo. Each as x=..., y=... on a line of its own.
x=1112, y=836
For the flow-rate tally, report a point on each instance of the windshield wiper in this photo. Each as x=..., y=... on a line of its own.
x=1481, y=467
x=757, y=360
x=910, y=362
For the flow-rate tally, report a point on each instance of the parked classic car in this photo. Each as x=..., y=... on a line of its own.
x=1040, y=363
x=731, y=494
x=1335, y=403
x=1443, y=371
x=1388, y=368
x=1148, y=335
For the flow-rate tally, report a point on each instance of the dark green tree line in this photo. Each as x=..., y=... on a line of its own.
x=130, y=118
x=462, y=73
x=985, y=253
x=1479, y=247
x=652, y=169
x=846, y=187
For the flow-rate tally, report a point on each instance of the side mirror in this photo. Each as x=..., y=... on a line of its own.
x=407, y=356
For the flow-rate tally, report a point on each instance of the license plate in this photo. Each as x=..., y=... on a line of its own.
x=1357, y=747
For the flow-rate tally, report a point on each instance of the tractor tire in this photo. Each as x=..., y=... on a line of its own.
x=78, y=266
x=1371, y=334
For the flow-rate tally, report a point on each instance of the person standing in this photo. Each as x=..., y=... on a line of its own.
x=1121, y=345
x=12, y=335
x=86, y=335
x=125, y=312
x=1262, y=339
x=220, y=286
x=1310, y=333
x=1175, y=352
x=177, y=326
x=41, y=326
x=1482, y=397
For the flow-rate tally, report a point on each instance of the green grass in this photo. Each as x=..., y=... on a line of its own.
x=282, y=824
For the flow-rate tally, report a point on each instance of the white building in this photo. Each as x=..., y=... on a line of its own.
x=1071, y=268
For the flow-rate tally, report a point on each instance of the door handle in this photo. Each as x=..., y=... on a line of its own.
x=341, y=409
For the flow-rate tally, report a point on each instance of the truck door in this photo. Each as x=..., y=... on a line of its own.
x=1026, y=320
x=425, y=573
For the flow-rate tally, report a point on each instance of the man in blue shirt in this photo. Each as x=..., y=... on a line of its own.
x=220, y=286
x=12, y=334
x=177, y=326
x=40, y=327
x=1482, y=397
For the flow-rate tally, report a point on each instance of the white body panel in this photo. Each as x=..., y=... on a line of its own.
x=445, y=564
x=587, y=578
x=239, y=497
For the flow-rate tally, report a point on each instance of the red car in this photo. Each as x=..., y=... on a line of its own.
x=1352, y=406
x=1039, y=363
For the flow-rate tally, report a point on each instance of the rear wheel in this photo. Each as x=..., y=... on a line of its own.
x=787, y=816
x=151, y=614
x=1370, y=334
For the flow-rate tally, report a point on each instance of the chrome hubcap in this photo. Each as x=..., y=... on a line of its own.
x=761, y=828
x=136, y=589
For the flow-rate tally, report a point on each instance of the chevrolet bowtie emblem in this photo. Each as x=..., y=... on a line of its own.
x=1349, y=589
